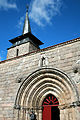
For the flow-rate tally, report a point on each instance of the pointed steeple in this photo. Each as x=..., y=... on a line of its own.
x=25, y=43
x=26, y=28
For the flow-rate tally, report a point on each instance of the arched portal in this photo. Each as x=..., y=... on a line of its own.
x=50, y=108
x=40, y=84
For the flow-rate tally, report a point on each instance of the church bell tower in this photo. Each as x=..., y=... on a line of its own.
x=25, y=43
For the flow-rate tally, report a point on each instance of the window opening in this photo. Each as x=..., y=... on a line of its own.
x=17, y=52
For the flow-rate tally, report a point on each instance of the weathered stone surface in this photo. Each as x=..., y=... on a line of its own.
x=22, y=49
x=14, y=71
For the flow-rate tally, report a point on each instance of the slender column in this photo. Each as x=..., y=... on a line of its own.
x=77, y=113
x=61, y=114
x=27, y=115
x=40, y=115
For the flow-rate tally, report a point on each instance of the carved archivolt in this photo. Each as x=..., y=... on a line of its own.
x=43, y=82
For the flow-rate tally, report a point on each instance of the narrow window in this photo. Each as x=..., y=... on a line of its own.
x=17, y=52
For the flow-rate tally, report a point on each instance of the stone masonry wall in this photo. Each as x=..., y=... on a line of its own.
x=22, y=49
x=62, y=57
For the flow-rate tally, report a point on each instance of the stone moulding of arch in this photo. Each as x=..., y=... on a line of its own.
x=42, y=82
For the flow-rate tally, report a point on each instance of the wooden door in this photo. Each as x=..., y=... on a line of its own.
x=46, y=113
x=50, y=108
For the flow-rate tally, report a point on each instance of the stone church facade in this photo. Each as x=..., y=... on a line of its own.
x=31, y=78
